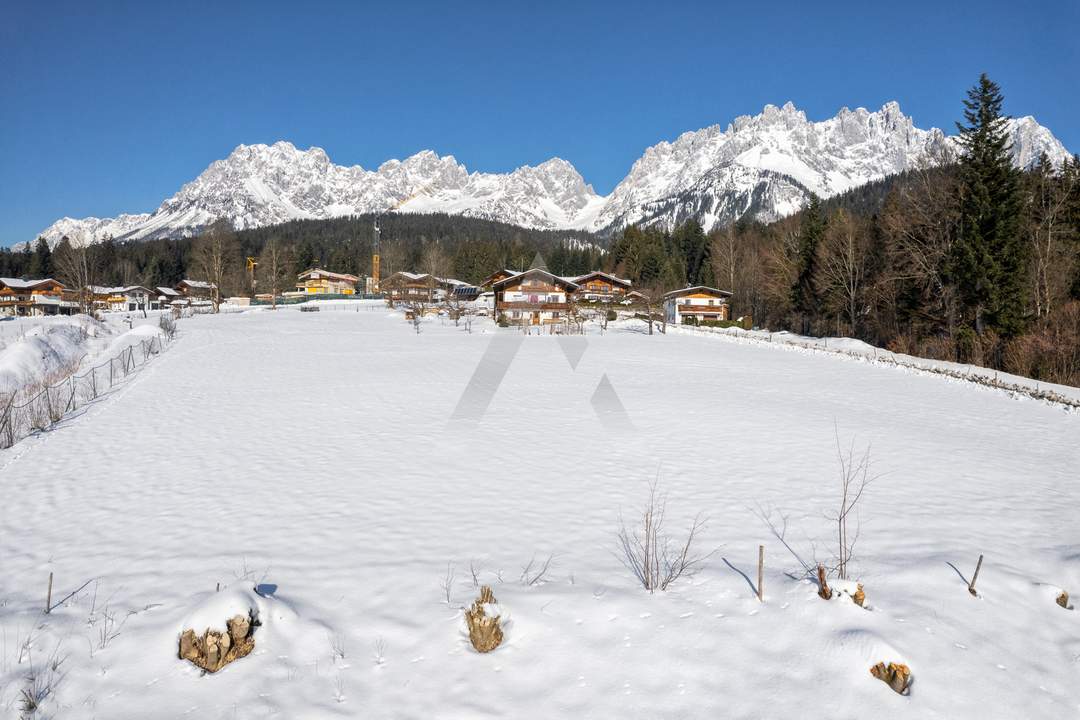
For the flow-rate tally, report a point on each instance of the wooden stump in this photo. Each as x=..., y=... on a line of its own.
x=895, y=675
x=859, y=597
x=485, y=634
x=214, y=649
x=823, y=586
x=1063, y=600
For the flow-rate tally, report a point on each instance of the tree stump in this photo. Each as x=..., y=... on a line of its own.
x=214, y=649
x=895, y=675
x=1063, y=599
x=823, y=586
x=485, y=634
x=859, y=597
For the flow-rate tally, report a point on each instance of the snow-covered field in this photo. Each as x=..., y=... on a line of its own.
x=315, y=455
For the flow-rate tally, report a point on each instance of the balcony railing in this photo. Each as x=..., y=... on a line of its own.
x=525, y=305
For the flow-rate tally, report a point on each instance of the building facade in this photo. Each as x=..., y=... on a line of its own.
x=601, y=287
x=692, y=305
x=34, y=297
x=316, y=281
x=533, y=297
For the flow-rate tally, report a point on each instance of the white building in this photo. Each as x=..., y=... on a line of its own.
x=692, y=305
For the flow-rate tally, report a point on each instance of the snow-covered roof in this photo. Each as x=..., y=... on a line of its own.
x=534, y=271
x=197, y=284
x=697, y=289
x=168, y=291
x=600, y=273
x=319, y=272
x=20, y=284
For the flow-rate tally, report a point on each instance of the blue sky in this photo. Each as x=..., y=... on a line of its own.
x=110, y=107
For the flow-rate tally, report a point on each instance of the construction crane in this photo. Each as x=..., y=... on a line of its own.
x=378, y=236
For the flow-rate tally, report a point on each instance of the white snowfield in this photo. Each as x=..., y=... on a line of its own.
x=313, y=455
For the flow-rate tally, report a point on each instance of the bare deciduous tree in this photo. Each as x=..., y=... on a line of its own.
x=79, y=268
x=271, y=266
x=215, y=254
x=654, y=557
x=844, y=254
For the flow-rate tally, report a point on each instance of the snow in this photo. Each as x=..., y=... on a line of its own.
x=778, y=149
x=39, y=349
x=312, y=455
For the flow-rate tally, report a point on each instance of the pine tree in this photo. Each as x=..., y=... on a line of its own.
x=41, y=265
x=989, y=260
x=804, y=297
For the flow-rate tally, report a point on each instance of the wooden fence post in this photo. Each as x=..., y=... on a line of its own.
x=978, y=567
x=48, y=596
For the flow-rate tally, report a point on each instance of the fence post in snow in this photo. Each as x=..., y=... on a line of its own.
x=978, y=567
x=760, y=572
x=48, y=596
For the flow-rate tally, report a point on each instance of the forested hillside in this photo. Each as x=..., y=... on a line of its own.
x=976, y=261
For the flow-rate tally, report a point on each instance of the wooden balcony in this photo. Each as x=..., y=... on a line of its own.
x=525, y=305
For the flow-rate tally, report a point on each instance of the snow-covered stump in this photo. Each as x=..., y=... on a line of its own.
x=228, y=621
x=1063, y=600
x=483, y=620
x=896, y=675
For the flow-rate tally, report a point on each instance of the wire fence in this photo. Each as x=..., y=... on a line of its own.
x=49, y=405
x=979, y=376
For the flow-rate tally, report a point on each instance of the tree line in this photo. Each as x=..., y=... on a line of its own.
x=967, y=259
x=464, y=248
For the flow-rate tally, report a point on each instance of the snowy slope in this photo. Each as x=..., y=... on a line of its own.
x=766, y=165
x=345, y=493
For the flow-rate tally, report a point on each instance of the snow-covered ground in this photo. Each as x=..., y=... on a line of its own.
x=315, y=455
x=35, y=350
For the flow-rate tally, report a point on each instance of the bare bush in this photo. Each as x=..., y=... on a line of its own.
x=654, y=557
x=855, y=477
x=447, y=583
x=535, y=572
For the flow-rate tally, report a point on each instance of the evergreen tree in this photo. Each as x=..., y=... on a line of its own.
x=989, y=260
x=41, y=265
x=804, y=297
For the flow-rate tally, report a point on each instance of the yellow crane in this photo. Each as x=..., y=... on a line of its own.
x=378, y=236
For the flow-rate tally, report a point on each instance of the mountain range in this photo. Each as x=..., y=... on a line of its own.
x=765, y=166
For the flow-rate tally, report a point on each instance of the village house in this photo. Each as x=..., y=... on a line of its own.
x=34, y=297
x=693, y=305
x=490, y=280
x=196, y=289
x=600, y=287
x=316, y=281
x=533, y=297
x=416, y=287
x=132, y=298
x=164, y=297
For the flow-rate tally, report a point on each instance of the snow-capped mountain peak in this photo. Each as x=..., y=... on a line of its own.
x=765, y=165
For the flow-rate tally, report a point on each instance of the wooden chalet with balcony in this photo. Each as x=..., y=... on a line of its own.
x=693, y=305
x=316, y=281
x=601, y=287
x=533, y=297
x=34, y=297
x=406, y=287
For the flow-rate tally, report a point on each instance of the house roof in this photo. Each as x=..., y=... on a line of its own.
x=491, y=278
x=168, y=291
x=600, y=273
x=319, y=272
x=567, y=282
x=697, y=289
x=197, y=284
x=20, y=284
